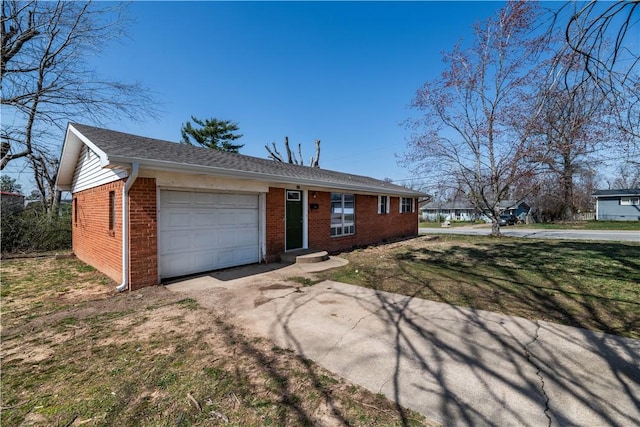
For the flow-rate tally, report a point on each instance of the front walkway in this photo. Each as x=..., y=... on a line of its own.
x=457, y=366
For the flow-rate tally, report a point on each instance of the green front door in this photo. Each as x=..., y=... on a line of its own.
x=294, y=220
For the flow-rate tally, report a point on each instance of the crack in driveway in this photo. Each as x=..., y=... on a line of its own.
x=530, y=358
x=346, y=333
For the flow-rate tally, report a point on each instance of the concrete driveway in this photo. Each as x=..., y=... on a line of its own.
x=457, y=366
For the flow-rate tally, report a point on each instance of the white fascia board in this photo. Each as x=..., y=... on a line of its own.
x=104, y=159
x=209, y=170
x=71, y=149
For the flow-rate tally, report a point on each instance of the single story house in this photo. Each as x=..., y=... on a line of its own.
x=618, y=205
x=453, y=211
x=464, y=211
x=144, y=210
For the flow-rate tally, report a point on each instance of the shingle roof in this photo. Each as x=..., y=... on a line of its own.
x=123, y=147
x=620, y=192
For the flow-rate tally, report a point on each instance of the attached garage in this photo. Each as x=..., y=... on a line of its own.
x=203, y=231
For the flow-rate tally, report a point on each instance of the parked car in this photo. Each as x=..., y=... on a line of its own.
x=508, y=220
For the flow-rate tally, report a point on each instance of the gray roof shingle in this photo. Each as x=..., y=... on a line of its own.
x=620, y=192
x=119, y=146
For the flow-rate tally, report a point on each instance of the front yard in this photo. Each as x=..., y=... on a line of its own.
x=592, y=285
x=74, y=353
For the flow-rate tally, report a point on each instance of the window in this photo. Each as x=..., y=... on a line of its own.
x=112, y=210
x=406, y=205
x=75, y=211
x=383, y=204
x=293, y=196
x=342, y=214
x=630, y=201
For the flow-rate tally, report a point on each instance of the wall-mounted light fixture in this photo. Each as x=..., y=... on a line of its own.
x=314, y=195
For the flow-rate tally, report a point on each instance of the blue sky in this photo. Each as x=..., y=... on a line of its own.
x=341, y=72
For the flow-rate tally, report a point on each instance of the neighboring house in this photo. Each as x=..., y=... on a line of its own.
x=518, y=208
x=144, y=210
x=464, y=211
x=618, y=205
x=11, y=202
x=452, y=211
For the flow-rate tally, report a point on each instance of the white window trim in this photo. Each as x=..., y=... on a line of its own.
x=629, y=201
x=387, y=205
x=343, y=225
x=413, y=204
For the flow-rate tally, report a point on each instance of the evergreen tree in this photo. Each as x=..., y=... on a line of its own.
x=212, y=133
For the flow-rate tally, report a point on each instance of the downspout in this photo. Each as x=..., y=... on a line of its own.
x=125, y=227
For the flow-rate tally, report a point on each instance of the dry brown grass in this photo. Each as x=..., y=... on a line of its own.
x=75, y=353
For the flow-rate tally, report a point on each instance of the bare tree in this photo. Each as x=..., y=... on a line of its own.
x=627, y=176
x=577, y=127
x=604, y=34
x=471, y=132
x=46, y=79
x=291, y=157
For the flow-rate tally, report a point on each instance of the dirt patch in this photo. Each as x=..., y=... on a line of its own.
x=276, y=286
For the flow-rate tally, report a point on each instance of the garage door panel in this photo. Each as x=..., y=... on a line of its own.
x=176, y=198
x=175, y=242
x=206, y=240
x=245, y=237
x=246, y=254
x=206, y=199
x=238, y=201
x=205, y=219
x=207, y=231
x=176, y=219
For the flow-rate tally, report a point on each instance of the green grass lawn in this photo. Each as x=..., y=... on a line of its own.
x=593, y=285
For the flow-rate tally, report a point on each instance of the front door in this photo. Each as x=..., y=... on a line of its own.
x=294, y=220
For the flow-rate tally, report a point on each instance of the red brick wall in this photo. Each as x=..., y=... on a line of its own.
x=275, y=223
x=143, y=234
x=370, y=226
x=96, y=245
x=92, y=240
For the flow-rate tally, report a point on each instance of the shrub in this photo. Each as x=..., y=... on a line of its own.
x=34, y=230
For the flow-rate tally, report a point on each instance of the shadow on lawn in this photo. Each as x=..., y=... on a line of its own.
x=587, y=285
x=524, y=361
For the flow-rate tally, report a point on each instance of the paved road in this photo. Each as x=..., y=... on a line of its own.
x=458, y=366
x=619, y=236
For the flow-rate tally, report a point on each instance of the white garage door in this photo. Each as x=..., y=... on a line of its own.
x=206, y=231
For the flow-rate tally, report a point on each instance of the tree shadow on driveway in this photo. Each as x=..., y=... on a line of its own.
x=460, y=366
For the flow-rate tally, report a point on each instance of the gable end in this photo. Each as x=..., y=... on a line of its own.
x=89, y=173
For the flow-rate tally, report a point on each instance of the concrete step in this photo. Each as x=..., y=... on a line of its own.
x=304, y=256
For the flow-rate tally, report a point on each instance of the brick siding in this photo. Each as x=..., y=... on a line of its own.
x=143, y=234
x=100, y=247
x=371, y=227
x=92, y=240
x=275, y=206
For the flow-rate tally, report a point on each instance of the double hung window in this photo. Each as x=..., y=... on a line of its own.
x=343, y=214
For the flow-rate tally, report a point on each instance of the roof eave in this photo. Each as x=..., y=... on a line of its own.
x=118, y=161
